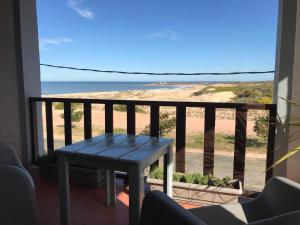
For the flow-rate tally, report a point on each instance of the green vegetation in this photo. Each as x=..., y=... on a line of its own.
x=119, y=131
x=248, y=93
x=76, y=115
x=123, y=108
x=193, y=178
x=261, y=127
x=60, y=106
x=166, y=124
x=115, y=131
x=120, y=108
x=212, y=89
x=225, y=142
x=261, y=93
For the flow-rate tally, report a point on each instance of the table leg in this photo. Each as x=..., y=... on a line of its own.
x=168, y=171
x=136, y=193
x=64, y=190
x=110, y=187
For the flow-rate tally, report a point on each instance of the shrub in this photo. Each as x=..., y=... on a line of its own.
x=60, y=106
x=188, y=178
x=261, y=127
x=199, y=179
x=123, y=108
x=120, y=108
x=166, y=124
x=250, y=93
x=215, y=89
x=176, y=177
x=193, y=178
x=119, y=131
x=139, y=110
x=76, y=116
x=265, y=100
x=157, y=173
x=261, y=93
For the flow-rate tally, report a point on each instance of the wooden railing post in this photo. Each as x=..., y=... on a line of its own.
x=109, y=118
x=180, y=138
x=49, y=128
x=209, y=140
x=240, y=144
x=154, y=127
x=271, y=141
x=131, y=119
x=87, y=111
x=154, y=121
x=68, y=123
x=33, y=130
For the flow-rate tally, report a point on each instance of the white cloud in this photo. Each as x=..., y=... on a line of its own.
x=164, y=34
x=83, y=12
x=45, y=42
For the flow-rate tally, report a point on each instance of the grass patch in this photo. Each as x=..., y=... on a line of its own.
x=224, y=138
x=115, y=131
x=123, y=108
x=60, y=106
x=260, y=92
x=120, y=131
x=211, y=89
x=225, y=142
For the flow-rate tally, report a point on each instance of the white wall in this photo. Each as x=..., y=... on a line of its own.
x=287, y=85
x=19, y=73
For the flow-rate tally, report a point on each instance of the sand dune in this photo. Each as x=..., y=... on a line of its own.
x=182, y=93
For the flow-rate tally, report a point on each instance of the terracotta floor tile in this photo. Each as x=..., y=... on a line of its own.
x=87, y=204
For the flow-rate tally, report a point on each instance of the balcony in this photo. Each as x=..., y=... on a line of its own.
x=93, y=199
x=20, y=120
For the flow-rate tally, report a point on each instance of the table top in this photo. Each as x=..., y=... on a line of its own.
x=119, y=147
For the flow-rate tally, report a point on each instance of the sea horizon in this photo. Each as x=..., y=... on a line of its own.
x=68, y=87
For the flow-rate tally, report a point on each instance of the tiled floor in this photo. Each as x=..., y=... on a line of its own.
x=87, y=204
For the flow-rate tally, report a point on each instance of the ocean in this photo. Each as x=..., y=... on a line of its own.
x=55, y=87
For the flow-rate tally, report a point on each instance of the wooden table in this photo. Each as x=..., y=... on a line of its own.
x=116, y=152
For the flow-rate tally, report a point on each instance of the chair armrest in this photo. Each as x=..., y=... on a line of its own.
x=291, y=218
x=159, y=209
x=17, y=197
x=280, y=196
x=8, y=156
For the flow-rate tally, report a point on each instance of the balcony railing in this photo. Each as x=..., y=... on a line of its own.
x=241, y=111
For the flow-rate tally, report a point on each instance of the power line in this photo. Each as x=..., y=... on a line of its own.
x=158, y=74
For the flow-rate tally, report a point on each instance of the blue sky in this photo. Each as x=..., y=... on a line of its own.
x=157, y=36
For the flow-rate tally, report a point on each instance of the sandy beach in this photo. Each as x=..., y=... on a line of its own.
x=183, y=92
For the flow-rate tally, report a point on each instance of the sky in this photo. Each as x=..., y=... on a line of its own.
x=157, y=36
